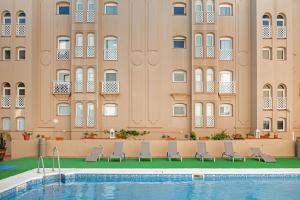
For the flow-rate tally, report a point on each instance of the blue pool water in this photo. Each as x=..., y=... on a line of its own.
x=164, y=188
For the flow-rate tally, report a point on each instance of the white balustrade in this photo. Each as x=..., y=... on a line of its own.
x=210, y=17
x=199, y=17
x=20, y=101
x=78, y=16
x=110, y=54
x=199, y=51
x=267, y=103
x=6, y=29
x=90, y=16
x=110, y=87
x=267, y=32
x=63, y=54
x=78, y=51
x=198, y=86
x=281, y=103
x=210, y=86
x=210, y=52
x=78, y=86
x=225, y=54
x=90, y=51
x=210, y=121
x=281, y=32
x=61, y=87
x=227, y=87
x=90, y=86
x=198, y=121
x=5, y=101
x=20, y=30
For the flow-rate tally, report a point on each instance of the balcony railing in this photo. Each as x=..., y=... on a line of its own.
x=110, y=87
x=199, y=51
x=198, y=121
x=225, y=54
x=227, y=87
x=281, y=32
x=90, y=121
x=199, y=17
x=198, y=86
x=20, y=101
x=110, y=54
x=90, y=16
x=267, y=103
x=210, y=86
x=6, y=30
x=90, y=86
x=210, y=121
x=61, y=87
x=210, y=52
x=90, y=51
x=78, y=86
x=5, y=101
x=78, y=121
x=281, y=103
x=267, y=32
x=63, y=54
x=78, y=16
x=78, y=51
x=210, y=17
x=20, y=30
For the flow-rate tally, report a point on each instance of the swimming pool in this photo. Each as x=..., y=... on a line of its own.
x=159, y=186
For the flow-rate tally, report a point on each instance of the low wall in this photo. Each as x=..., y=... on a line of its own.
x=81, y=148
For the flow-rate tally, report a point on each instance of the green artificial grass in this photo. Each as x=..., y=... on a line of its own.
x=25, y=164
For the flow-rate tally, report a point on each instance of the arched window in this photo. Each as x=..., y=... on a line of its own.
x=79, y=11
x=226, y=85
x=179, y=42
x=281, y=124
x=79, y=45
x=79, y=5
x=21, y=89
x=91, y=11
x=198, y=115
x=79, y=39
x=266, y=23
x=78, y=115
x=225, y=10
x=198, y=80
x=63, y=48
x=210, y=45
x=6, y=20
x=21, y=53
x=210, y=81
x=90, y=115
x=110, y=109
x=110, y=48
x=281, y=97
x=281, y=26
x=179, y=9
x=266, y=20
x=267, y=124
x=90, y=80
x=199, y=17
x=111, y=8
x=210, y=11
x=179, y=76
x=198, y=45
x=267, y=53
x=267, y=97
x=6, y=124
x=280, y=21
x=6, y=92
x=210, y=113
x=62, y=8
x=20, y=98
x=225, y=48
x=6, y=53
x=179, y=110
x=21, y=18
x=21, y=124
x=79, y=80
x=6, y=24
x=91, y=45
x=63, y=109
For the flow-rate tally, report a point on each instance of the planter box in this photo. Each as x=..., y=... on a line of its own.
x=204, y=138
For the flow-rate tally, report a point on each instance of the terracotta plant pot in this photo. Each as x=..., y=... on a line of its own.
x=2, y=154
x=26, y=137
x=170, y=138
x=204, y=138
x=59, y=138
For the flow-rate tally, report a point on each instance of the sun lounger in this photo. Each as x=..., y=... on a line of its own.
x=172, y=151
x=118, y=152
x=145, y=151
x=202, y=154
x=256, y=153
x=229, y=153
x=95, y=155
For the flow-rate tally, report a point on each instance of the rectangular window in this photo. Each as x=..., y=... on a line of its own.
x=6, y=54
x=21, y=54
x=281, y=54
x=267, y=124
x=226, y=110
x=179, y=110
x=225, y=10
x=63, y=110
x=63, y=10
x=267, y=54
x=179, y=77
x=179, y=43
x=6, y=124
x=281, y=125
x=21, y=124
x=110, y=110
x=111, y=9
x=179, y=10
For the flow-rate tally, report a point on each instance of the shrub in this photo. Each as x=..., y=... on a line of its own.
x=193, y=135
x=221, y=136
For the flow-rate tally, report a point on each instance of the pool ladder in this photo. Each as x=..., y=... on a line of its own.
x=41, y=160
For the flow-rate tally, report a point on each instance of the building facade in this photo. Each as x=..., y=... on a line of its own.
x=165, y=66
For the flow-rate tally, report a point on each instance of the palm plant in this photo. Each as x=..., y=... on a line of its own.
x=4, y=137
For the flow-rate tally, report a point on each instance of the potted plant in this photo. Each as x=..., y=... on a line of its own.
x=26, y=135
x=221, y=136
x=250, y=136
x=4, y=137
x=265, y=136
x=237, y=137
x=193, y=135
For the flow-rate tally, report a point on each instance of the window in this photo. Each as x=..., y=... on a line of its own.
x=6, y=89
x=6, y=124
x=79, y=45
x=79, y=39
x=110, y=76
x=6, y=18
x=63, y=76
x=63, y=43
x=210, y=43
x=267, y=53
x=198, y=80
x=225, y=10
x=179, y=9
x=198, y=115
x=79, y=115
x=179, y=42
x=21, y=124
x=210, y=112
x=6, y=53
x=21, y=53
x=226, y=110
x=210, y=15
x=110, y=48
x=226, y=85
x=225, y=49
x=91, y=5
x=210, y=80
x=179, y=76
x=281, y=124
x=91, y=45
x=63, y=109
x=110, y=109
x=199, y=17
x=91, y=40
x=90, y=115
x=63, y=9
x=267, y=124
x=281, y=54
x=91, y=80
x=198, y=45
x=79, y=80
x=21, y=18
x=111, y=9
x=280, y=21
x=179, y=110
x=21, y=89
x=266, y=21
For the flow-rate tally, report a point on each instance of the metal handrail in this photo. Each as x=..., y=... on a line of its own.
x=55, y=150
x=38, y=171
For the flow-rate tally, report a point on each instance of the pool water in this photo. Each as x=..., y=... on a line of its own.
x=219, y=188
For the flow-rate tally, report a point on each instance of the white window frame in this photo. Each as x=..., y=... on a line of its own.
x=19, y=121
x=108, y=113
x=21, y=86
x=63, y=4
x=179, y=38
x=66, y=74
x=79, y=39
x=21, y=49
x=79, y=3
x=65, y=39
x=181, y=105
x=78, y=115
x=283, y=50
x=4, y=121
x=269, y=49
x=7, y=17
x=226, y=106
x=91, y=3
x=180, y=72
x=280, y=20
x=91, y=77
x=112, y=4
x=66, y=105
x=225, y=6
x=284, y=125
x=6, y=88
x=90, y=113
x=3, y=53
x=181, y=5
x=269, y=120
x=91, y=40
x=266, y=19
x=79, y=80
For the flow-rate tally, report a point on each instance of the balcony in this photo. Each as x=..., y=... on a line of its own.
x=226, y=54
x=227, y=87
x=6, y=30
x=199, y=17
x=210, y=52
x=198, y=121
x=210, y=17
x=61, y=87
x=110, y=54
x=20, y=101
x=110, y=87
x=281, y=32
x=20, y=30
x=90, y=16
x=199, y=52
x=63, y=54
x=267, y=103
x=267, y=32
x=5, y=101
x=198, y=86
x=210, y=121
x=281, y=103
x=78, y=16
x=78, y=51
x=90, y=86
x=90, y=51
x=210, y=86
